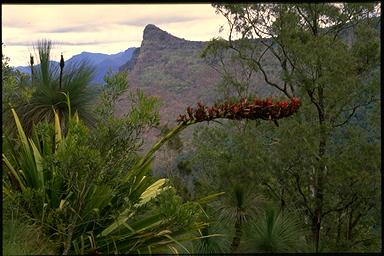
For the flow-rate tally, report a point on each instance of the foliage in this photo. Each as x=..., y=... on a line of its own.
x=15, y=90
x=120, y=138
x=20, y=235
x=276, y=231
x=325, y=54
x=61, y=178
x=224, y=163
x=50, y=87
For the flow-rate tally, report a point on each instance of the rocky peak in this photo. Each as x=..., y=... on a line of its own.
x=154, y=37
x=153, y=33
x=156, y=40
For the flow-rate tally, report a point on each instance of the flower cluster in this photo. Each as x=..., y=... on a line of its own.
x=257, y=109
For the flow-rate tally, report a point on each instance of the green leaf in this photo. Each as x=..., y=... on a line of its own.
x=209, y=198
x=58, y=136
x=152, y=191
x=13, y=173
x=20, y=130
x=39, y=165
x=120, y=221
x=177, y=242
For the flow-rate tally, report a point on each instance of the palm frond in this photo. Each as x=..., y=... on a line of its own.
x=276, y=231
x=47, y=94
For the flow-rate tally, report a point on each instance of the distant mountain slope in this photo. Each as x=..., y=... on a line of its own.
x=101, y=61
x=172, y=69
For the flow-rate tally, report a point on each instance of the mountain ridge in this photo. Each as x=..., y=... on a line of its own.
x=171, y=69
x=101, y=61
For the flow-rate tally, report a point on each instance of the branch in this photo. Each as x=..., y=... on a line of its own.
x=262, y=55
x=268, y=81
x=305, y=18
x=262, y=71
x=341, y=26
x=297, y=179
x=313, y=100
x=353, y=112
x=341, y=208
x=272, y=190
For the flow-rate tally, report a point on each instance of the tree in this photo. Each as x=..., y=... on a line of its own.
x=50, y=83
x=275, y=230
x=224, y=159
x=327, y=54
x=15, y=89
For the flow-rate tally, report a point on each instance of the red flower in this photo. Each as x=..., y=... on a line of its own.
x=211, y=113
x=182, y=118
x=234, y=108
x=200, y=114
x=256, y=101
x=268, y=102
x=295, y=101
x=283, y=104
x=189, y=111
x=261, y=109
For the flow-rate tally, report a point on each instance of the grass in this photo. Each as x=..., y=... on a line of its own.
x=21, y=236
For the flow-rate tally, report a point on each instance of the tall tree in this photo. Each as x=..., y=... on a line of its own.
x=328, y=55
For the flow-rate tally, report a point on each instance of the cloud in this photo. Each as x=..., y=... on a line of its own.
x=15, y=23
x=71, y=29
x=158, y=20
x=24, y=43
x=96, y=26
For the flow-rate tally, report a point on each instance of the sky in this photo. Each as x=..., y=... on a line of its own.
x=100, y=28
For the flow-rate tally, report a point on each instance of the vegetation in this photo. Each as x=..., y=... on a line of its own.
x=296, y=173
x=88, y=196
x=338, y=83
x=51, y=83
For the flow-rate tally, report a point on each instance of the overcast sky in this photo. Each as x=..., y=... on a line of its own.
x=100, y=28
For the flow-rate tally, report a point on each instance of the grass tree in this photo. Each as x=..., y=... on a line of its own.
x=276, y=231
x=50, y=83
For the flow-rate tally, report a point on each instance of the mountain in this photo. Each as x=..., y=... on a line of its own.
x=172, y=69
x=102, y=62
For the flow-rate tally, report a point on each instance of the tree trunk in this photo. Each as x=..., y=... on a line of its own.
x=67, y=243
x=352, y=223
x=282, y=201
x=338, y=229
x=236, y=239
x=319, y=172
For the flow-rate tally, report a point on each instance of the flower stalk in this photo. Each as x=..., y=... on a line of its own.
x=257, y=109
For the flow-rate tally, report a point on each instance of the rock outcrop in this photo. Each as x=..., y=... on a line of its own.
x=171, y=69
